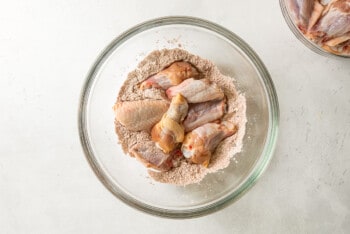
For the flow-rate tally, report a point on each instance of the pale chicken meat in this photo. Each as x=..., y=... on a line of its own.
x=140, y=115
x=151, y=156
x=327, y=24
x=196, y=91
x=302, y=11
x=336, y=19
x=316, y=14
x=202, y=113
x=333, y=29
x=199, y=144
x=346, y=47
x=169, y=131
x=170, y=76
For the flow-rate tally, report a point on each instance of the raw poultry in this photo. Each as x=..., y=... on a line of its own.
x=325, y=23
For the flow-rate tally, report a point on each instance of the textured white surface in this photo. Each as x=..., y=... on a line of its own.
x=47, y=186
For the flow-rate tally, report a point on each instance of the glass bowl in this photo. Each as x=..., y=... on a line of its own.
x=125, y=177
x=308, y=43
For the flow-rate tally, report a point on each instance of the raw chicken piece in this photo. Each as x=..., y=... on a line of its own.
x=196, y=91
x=202, y=113
x=338, y=40
x=306, y=13
x=335, y=21
x=302, y=11
x=151, y=156
x=325, y=22
x=169, y=132
x=173, y=75
x=140, y=115
x=199, y=144
x=315, y=15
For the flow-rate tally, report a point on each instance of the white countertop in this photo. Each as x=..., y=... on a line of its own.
x=46, y=184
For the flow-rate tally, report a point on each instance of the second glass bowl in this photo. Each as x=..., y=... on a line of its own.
x=308, y=43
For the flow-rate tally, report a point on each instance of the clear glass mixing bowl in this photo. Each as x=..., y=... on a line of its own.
x=125, y=177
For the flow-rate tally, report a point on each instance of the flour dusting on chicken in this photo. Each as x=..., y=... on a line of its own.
x=180, y=117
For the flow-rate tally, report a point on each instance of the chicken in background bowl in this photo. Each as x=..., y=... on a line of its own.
x=325, y=23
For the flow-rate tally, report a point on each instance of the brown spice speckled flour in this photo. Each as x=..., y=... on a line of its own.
x=186, y=173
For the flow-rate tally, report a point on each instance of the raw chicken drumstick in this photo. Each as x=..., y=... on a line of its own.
x=196, y=91
x=302, y=11
x=202, y=113
x=169, y=132
x=201, y=142
x=327, y=23
x=140, y=115
x=170, y=76
x=334, y=26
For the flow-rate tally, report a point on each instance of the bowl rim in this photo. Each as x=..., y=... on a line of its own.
x=266, y=154
x=300, y=36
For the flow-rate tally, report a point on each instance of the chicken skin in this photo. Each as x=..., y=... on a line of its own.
x=202, y=113
x=169, y=132
x=140, y=115
x=302, y=11
x=170, y=76
x=326, y=23
x=199, y=144
x=196, y=91
x=151, y=156
x=333, y=28
x=336, y=19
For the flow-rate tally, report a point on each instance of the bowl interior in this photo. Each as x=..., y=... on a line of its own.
x=125, y=176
